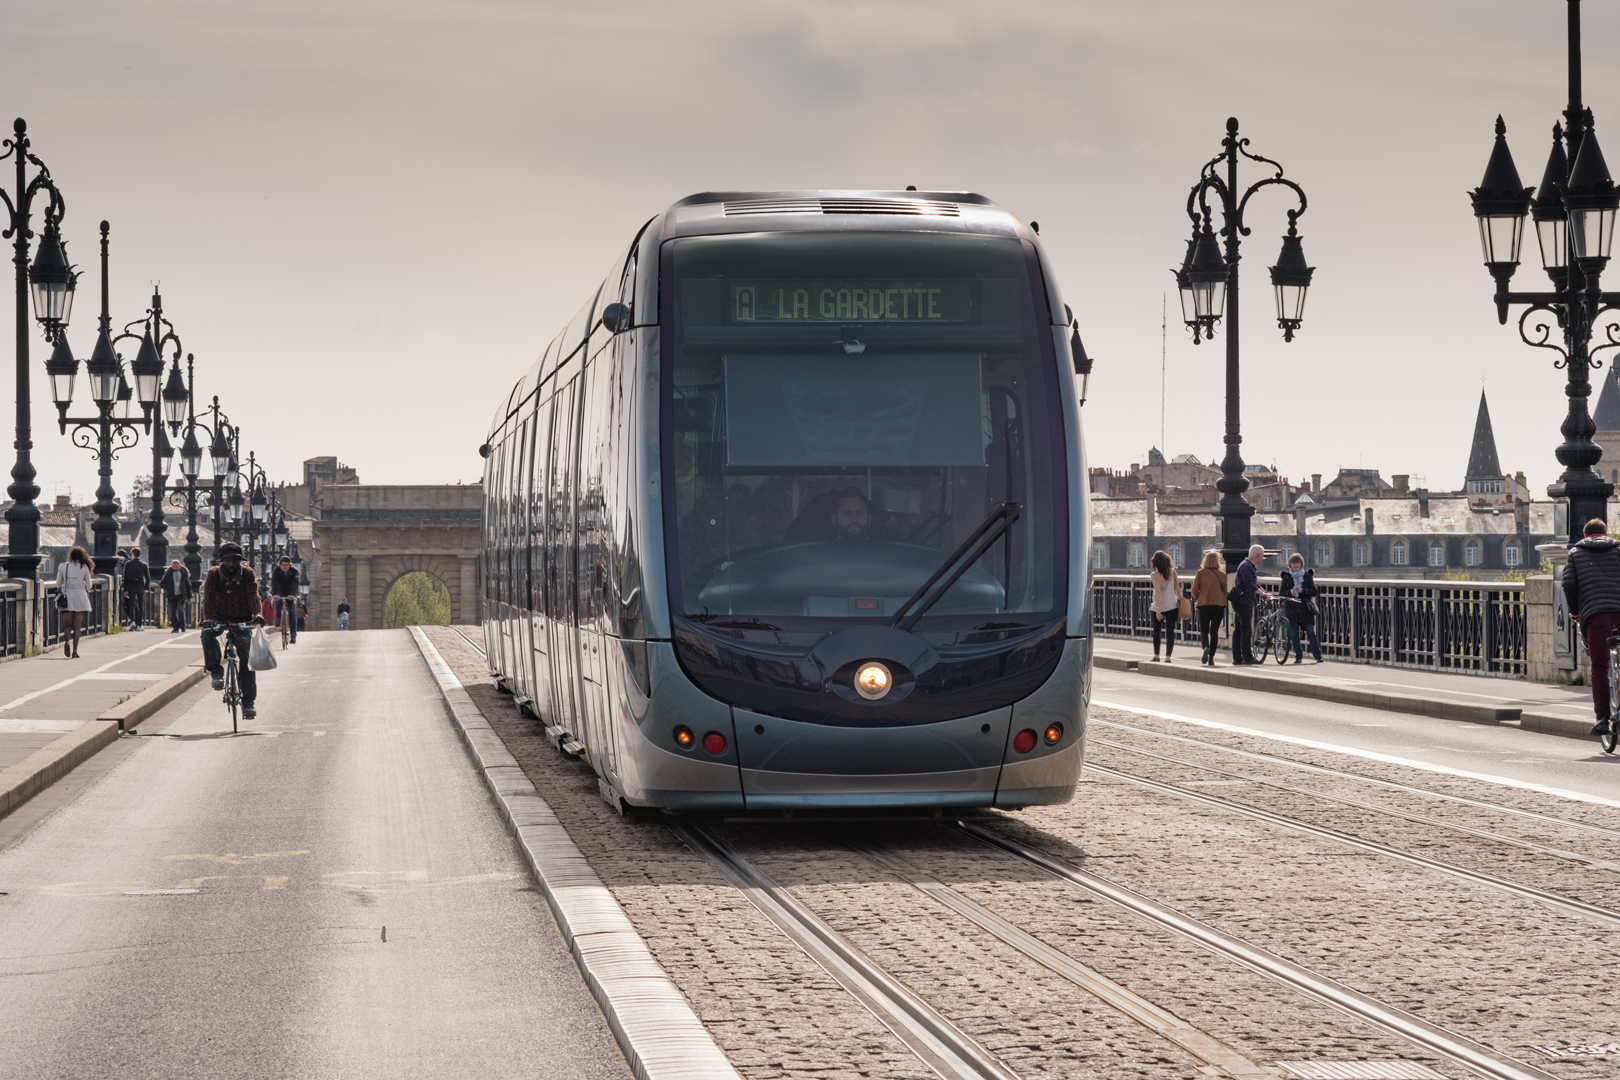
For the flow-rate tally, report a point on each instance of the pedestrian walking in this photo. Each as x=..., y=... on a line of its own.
x=176, y=586
x=136, y=582
x=1244, y=596
x=73, y=579
x=1209, y=594
x=1592, y=587
x=1165, y=603
x=1300, y=592
x=343, y=614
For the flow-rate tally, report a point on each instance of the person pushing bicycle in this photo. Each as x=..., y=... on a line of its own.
x=284, y=587
x=1592, y=587
x=230, y=604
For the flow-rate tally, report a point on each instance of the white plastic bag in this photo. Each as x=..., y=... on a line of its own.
x=260, y=658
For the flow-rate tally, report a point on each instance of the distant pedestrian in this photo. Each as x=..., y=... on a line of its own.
x=136, y=581
x=73, y=580
x=343, y=614
x=176, y=586
x=1592, y=587
x=1165, y=603
x=1244, y=595
x=1209, y=594
x=1300, y=592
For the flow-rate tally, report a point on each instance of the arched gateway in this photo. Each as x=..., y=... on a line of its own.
x=369, y=535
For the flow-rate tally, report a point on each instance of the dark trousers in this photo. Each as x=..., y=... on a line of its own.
x=1596, y=629
x=1294, y=626
x=1165, y=624
x=132, y=610
x=177, y=613
x=214, y=657
x=1210, y=617
x=1242, y=632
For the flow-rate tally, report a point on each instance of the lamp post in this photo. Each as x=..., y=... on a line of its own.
x=1574, y=211
x=109, y=390
x=155, y=333
x=187, y=493
x=53, y=280
x=1208, y=284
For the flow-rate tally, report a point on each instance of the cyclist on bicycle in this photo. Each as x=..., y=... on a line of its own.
x=1592, y=587
x=230, y=604
x=284, y=587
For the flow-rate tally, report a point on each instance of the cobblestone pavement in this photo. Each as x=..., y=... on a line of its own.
x=1505, y=971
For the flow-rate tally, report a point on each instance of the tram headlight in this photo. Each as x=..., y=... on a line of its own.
x=873, y=681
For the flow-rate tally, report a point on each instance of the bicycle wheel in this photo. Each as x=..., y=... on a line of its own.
x=1608, y=739
x=1262, y=639
x=1280, y=641
x=233, y=692
x=284, y=633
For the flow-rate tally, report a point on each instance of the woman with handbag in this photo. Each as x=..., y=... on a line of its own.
x=1299, y=587
x=1166, y=603
x=1209, y=593
x=73, y=597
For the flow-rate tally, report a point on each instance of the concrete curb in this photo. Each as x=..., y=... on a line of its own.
x=45, y=766
x=660, y=1035
x=1553, y=724
x=1442, y=708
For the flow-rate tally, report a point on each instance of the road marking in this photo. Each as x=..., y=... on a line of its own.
x=91, y=888
x=17, y=725
x=195, y=884
x=110, y=676
x=96, y=671
x=161, y=892
x=317, y=734
x=1371, y=755
x=234, y=859
x=275, y=882
x=371, y=879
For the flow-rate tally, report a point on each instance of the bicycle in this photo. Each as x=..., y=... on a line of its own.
x=1608, y=739
x=1271, y=635
x=285, y=620
x=233, y=688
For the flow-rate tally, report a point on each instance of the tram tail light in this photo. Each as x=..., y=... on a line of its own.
x=714, y=742
x=684, y=737
x=1054, y=732
x=1024, y=741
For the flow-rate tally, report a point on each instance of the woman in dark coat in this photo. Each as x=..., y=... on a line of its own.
x=1299, y=587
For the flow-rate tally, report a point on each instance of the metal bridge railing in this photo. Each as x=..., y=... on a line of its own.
x=1438, y=625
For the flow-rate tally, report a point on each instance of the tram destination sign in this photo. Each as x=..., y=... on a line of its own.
x=844, y=301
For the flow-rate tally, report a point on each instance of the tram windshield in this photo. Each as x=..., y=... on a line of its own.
x=847, y=410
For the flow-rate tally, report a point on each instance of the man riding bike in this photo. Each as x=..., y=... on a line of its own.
x=230, y=604
x=1592, y=587
x=284, y=587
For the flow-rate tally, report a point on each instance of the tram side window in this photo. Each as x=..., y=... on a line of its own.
x=534, y=537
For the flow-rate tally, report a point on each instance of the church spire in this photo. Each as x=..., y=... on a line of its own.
x=1607, y=413
x=1482, y=461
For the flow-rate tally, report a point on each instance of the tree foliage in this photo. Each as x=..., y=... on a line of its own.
x=417, y=599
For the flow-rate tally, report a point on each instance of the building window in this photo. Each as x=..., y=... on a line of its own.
x=1267, y=503
x=1174, y=551
x=1324, y=553
x=1138, y=557
x=1510, y=554
x=1397, y=553
x=1099, y=554
x=1362, y=554
x=1285, y=551
x=1437, y=554
x=1471, y=553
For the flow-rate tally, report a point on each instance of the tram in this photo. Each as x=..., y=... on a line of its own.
x=792, y=514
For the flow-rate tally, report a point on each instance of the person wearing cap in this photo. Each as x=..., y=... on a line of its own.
x=230, y=596
x=284, y=587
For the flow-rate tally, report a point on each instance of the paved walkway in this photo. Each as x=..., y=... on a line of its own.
x=1571, y=701
x=45, y=697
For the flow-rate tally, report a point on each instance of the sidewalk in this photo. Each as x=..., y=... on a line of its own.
x=1483, y=699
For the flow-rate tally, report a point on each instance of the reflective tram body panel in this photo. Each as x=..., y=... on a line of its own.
x=703, y=533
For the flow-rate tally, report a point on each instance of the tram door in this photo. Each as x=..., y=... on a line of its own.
x=563, y=646
x=590, y=508
x=534, y=612
x=523, y=477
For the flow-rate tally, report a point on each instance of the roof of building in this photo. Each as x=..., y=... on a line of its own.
x=1185, y=459
x=1482, y=461
x=1154, y=456
x=1607, y=414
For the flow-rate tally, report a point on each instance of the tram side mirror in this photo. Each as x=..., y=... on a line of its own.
x=483, y=451
x=616, y=318
x=1082, y=362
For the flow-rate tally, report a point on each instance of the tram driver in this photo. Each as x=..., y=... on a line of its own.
x=852, y=517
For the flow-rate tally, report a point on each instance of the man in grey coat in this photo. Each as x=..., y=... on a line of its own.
x=1592, y=587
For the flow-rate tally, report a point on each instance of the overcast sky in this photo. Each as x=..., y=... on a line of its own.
x=368, y=217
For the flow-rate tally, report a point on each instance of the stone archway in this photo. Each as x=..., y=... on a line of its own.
x=366, y=536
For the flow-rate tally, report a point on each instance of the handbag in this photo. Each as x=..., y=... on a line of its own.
x=61, y=601
x=260, y=658
x=1183, y=608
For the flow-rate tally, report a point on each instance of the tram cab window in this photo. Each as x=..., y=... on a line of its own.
x=847, y=409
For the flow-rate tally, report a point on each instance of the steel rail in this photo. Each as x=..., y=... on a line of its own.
x=1474, y=877
x=937, y=1042
x=1448, y=1044
x=479, y=649
x=1371, y=780
x=1197, y=1042
x=1483, y=834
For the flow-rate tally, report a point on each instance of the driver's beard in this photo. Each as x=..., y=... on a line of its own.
x=230, y=573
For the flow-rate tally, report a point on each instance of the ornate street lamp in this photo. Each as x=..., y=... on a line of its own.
x=104, y=432
x=1208, y=285
x=187, y=495
x=52, y=281
x=1574, y=210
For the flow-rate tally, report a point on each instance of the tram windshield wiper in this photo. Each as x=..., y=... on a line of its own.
x=959, y=562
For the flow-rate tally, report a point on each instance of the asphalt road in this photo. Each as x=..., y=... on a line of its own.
x=1502, y=752
x=216, y=905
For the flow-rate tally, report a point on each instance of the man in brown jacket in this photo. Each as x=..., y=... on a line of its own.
x=230, y=604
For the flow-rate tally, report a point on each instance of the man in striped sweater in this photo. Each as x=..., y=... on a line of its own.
x=230, y=604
